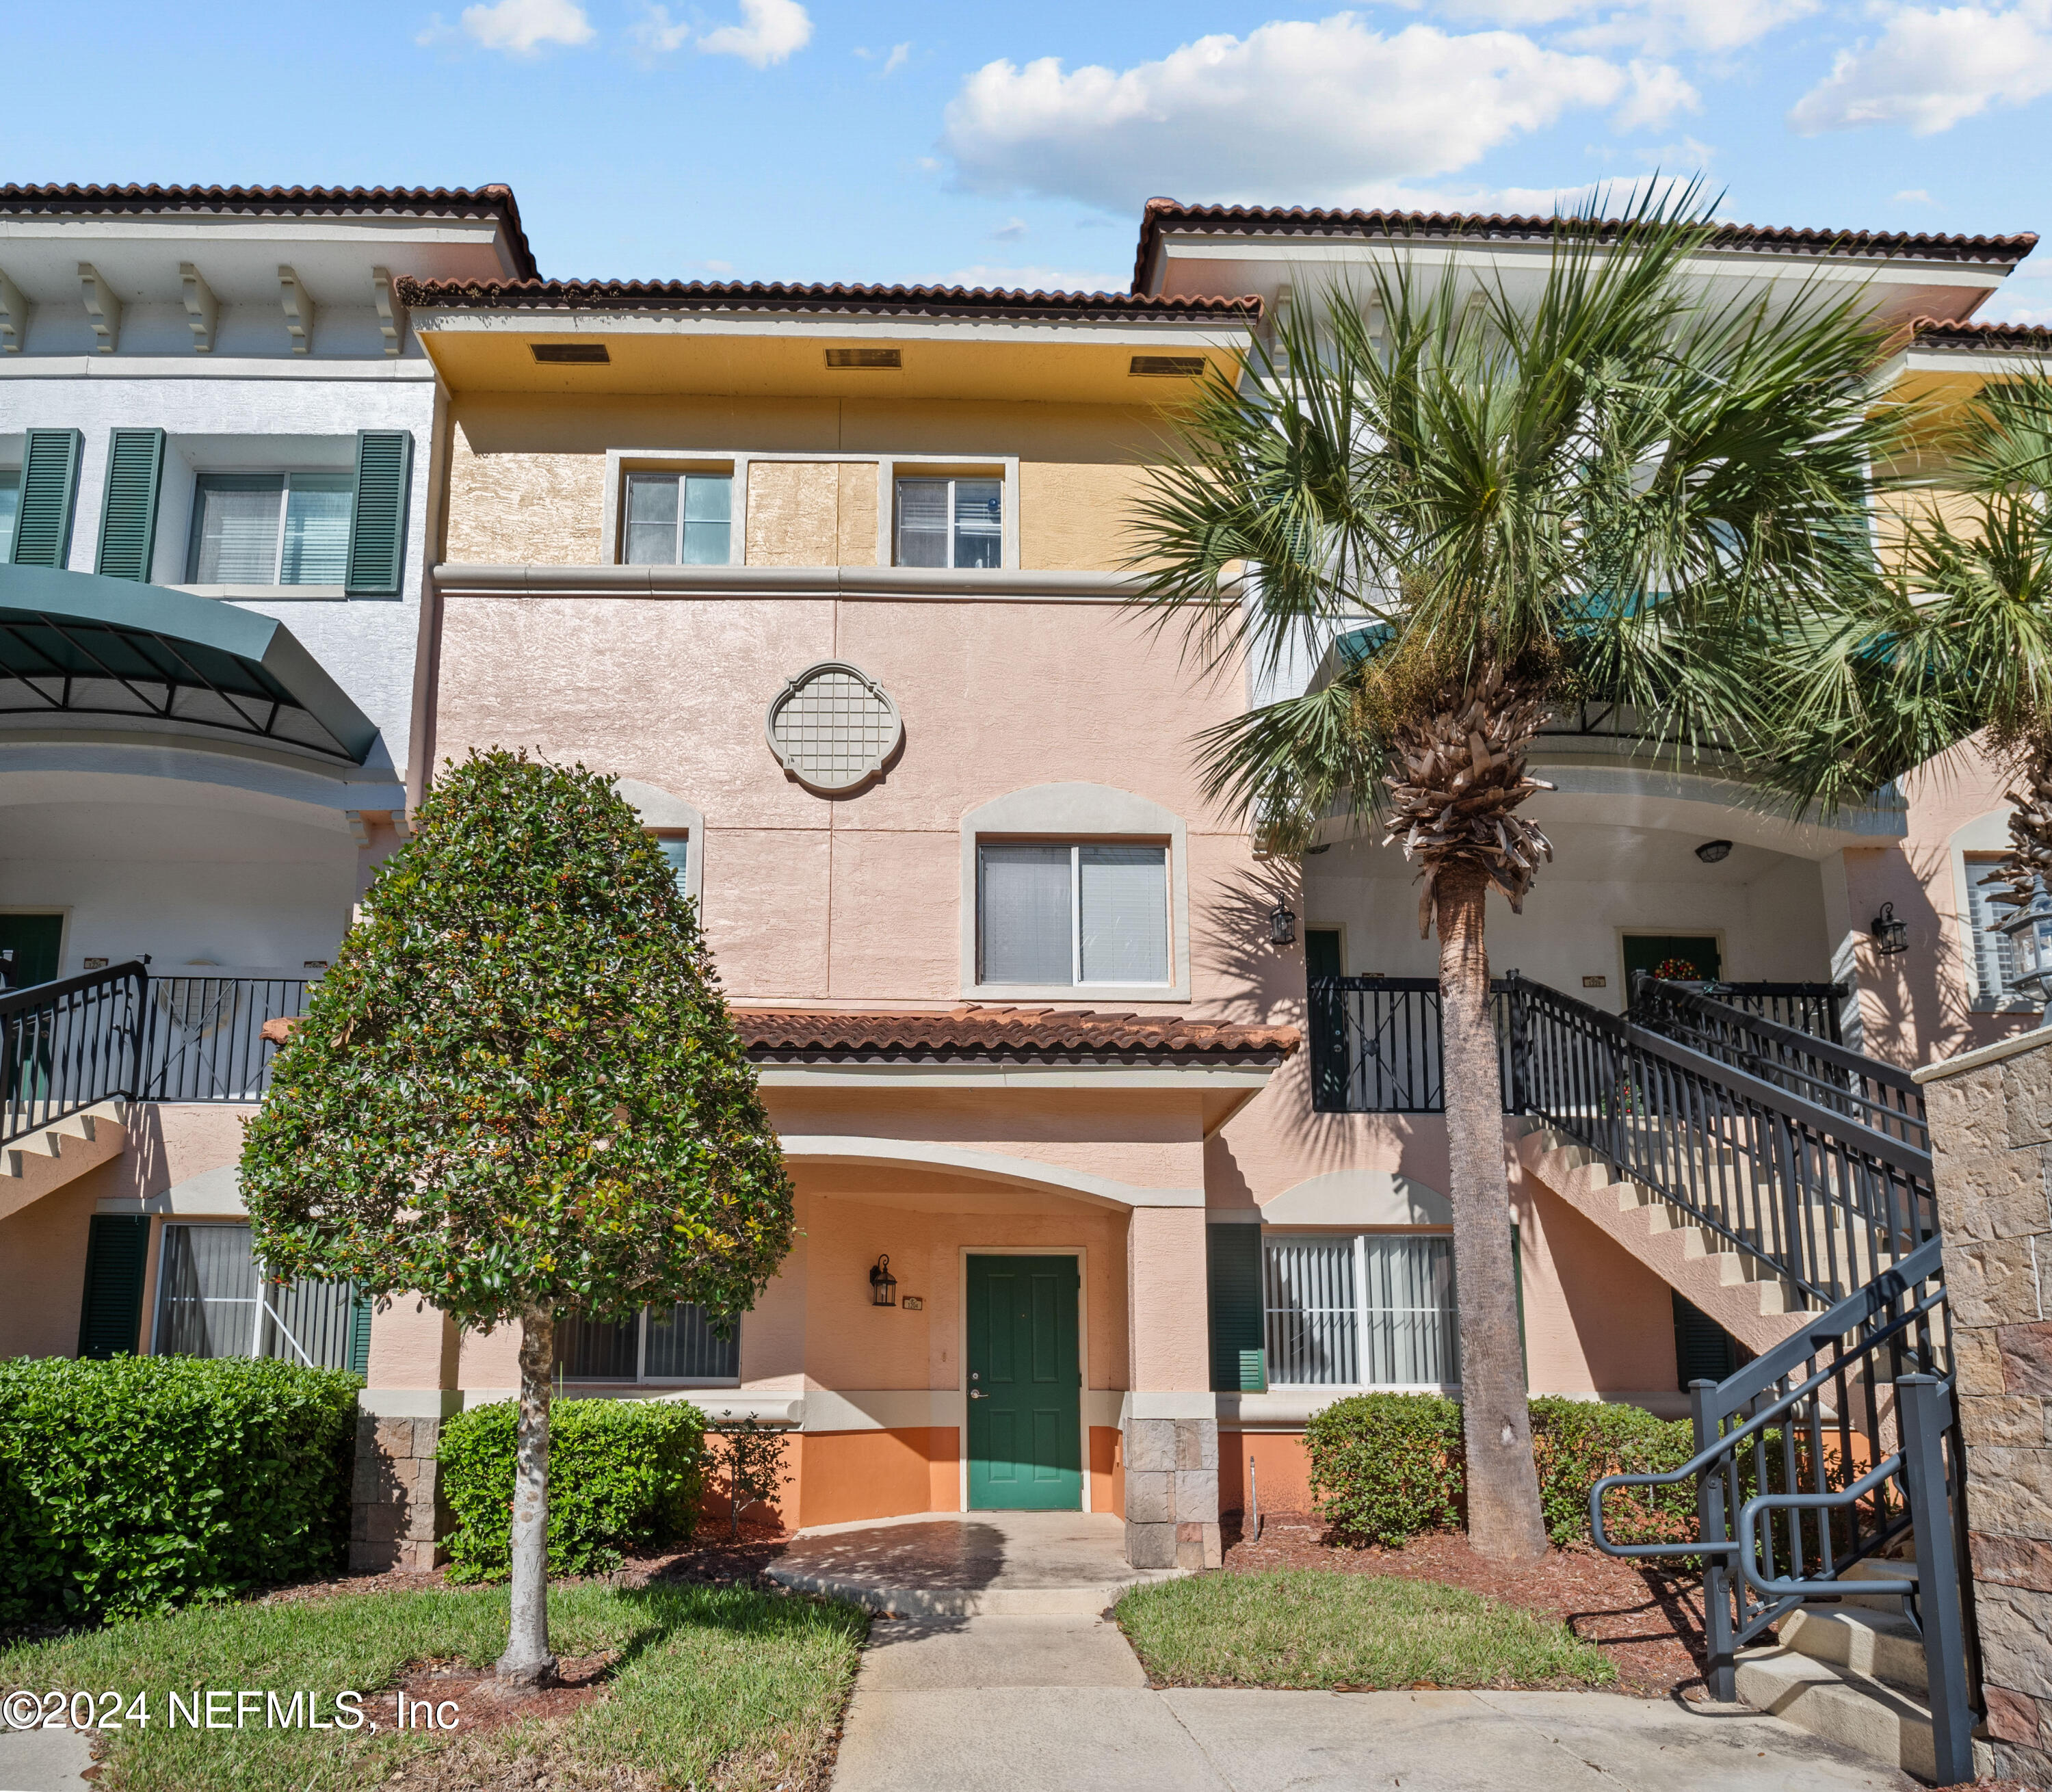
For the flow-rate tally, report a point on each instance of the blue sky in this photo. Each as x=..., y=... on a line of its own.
x=898, y=140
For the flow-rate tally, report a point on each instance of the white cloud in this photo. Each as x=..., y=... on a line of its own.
x=1038, y=280
x=1657, y=93
x=1658, y=26
x=521, y=27
x=900, y=54
x=1913, y=196
x=2025, y=297
x=769, y=31
x=1933, y=66
x=656, y=34
x=1303, y=112
x=1010, y=231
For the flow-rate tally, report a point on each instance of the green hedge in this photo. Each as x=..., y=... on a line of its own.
x=139, y=1484
x=1388, y=1466
x=622, y=1473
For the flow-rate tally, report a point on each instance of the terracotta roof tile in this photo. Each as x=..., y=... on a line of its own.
x=1951, y=333
x=99, y=202
x=974, y=1031
x=874, y=301
x=1297, y=221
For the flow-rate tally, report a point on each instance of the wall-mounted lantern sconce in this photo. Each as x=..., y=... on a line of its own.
x=1890, y=936
x=1282, y=924
x=1715, y=852
x=882, y=1284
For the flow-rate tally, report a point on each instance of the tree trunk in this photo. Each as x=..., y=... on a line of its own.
x=1505, y=1521
x=527, y=1660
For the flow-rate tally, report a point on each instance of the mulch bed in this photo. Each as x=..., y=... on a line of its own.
x=1649, y=1621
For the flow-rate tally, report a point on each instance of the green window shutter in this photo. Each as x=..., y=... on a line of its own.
x=378, y=522
x=359, y=1334
x=117, y=1249
x=1232, y=1261
x=49, y=484
x=128, y=521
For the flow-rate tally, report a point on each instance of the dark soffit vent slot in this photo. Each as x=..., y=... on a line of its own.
x=581, y=354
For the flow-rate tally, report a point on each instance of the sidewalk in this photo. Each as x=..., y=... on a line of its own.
x=960, y=1705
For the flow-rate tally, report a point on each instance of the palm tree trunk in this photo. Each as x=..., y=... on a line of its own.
x=1505, y=1521
x=527, y=1660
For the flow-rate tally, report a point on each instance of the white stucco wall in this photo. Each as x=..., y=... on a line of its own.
x=249, y=415
x=1767, y=906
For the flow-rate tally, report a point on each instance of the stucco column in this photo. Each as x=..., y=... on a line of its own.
x=1171, y=1417
x=1991, y=1114
x=1842, y=935
x=396, y=1510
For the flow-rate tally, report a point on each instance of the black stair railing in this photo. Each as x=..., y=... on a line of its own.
x=1878, y=1095
x=204, y=1038
x=66, y=1046
x=1808, y=1007
x=1809, y=1191
x=1376, y=1044
x=1837, y=1445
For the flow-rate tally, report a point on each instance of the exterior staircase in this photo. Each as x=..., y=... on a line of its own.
x=40, y=1161
x=1743, y=1295
x=1855, y=1674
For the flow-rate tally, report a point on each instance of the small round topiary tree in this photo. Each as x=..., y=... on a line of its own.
x=516, y=1090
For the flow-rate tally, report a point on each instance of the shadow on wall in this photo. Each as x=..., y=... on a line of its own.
x=1916, y=1007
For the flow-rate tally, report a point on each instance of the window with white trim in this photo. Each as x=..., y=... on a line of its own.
x=949, y=523
x=1361, y=1310
x=1994, y=954
x=270, y=529
x=680, y=1344
x=1072, y=912
x=679, y=519
x=213, y=1300
x=675, y=844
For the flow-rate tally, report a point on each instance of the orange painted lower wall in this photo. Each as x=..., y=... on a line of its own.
x=1281, y=1470
x=1107, y=1469
x=841, y=1477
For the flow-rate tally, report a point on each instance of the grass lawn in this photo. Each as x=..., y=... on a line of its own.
x=1303, y=1628
x=720, y=1684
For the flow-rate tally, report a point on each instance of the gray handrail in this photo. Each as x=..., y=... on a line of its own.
x=1882, y=1472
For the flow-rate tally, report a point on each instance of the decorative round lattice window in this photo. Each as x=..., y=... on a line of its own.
x=834, y=727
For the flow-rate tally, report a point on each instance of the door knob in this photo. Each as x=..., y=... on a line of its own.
x=977, y=1393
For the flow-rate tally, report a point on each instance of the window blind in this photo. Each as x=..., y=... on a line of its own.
x=1407, y=1309
x=1124, y=891
x=923, y=523
x=1314, y=1331
x=979, y=523
x=676, y=849
x=683, y=1347
x=316, y=544
x=1994, y=954
x=235, y=529
x=596, y=1349
x=206, y=1298
x=1023, y=914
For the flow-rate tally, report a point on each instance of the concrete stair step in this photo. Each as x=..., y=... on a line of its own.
x=1884, y=1646
x=55, y=1154
x=1872, y=1570
x=1855, y=1710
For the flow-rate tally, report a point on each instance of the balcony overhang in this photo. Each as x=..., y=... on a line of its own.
x=75, y=645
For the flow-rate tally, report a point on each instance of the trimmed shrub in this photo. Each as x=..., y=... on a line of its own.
x=1387, y=1467
x=1577, y=1443
x=142, y=1483
x=622, y=1474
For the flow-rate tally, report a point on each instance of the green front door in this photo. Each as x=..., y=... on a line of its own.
x=1648, y=952
x=1025, y=1389
x=35, y=940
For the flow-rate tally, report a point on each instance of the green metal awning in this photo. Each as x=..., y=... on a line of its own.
x=75, y=643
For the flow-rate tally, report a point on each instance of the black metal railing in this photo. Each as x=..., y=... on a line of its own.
x=1876, y=1094
x=1377, y=1044
x=1808, y=1189
x=123, y=1034
x=1809, y=1008
x=203, y=1039
x=66, y=1046
x=1839, y=1444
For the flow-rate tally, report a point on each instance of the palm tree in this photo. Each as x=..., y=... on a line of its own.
x=1493, y=501
x=1958, y=639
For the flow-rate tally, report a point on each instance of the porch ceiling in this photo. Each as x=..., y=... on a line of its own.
x=76, y=645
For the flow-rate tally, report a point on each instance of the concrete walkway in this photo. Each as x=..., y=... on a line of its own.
x=1014, y=1564
x=1061, y=1704
x=43, y=1760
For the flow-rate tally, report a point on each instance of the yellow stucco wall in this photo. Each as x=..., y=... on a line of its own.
x=527, y=472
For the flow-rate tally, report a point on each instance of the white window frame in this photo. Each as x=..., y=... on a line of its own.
x=642, y=1379
x=685, y=475
x=621, y=461
x=1076, y=980
x=276, y=583
x=994, y=475
x=661, y=812
x=1988, y=835
x=1363, y=1354
x=1070, y=814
